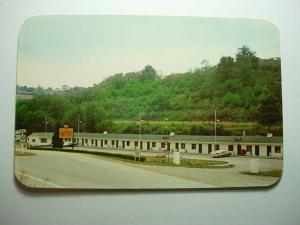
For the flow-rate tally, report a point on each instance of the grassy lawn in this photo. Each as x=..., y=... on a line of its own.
x=209, y=123
x=273, y=173
x=19, y=153
x=204, y=127
x=191, y=163
x=151, y=160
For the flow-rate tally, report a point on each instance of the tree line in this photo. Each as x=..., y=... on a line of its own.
x=241, y=88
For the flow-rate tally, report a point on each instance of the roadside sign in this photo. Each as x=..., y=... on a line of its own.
x=23, y=139
x=65, y=132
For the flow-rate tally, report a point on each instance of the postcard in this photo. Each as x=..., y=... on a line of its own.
x=148, y=102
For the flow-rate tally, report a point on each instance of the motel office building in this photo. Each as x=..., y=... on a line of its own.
x=253, y=145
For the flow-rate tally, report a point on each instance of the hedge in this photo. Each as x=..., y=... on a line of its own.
x=115, y=155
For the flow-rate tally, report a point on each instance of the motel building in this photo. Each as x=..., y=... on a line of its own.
x=264, y=146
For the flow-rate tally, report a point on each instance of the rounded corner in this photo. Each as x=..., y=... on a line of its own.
x=275, y=183
x=27, y=21
x=20, y=180
x=271, y=24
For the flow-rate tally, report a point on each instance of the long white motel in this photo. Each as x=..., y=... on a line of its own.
x=265, y=146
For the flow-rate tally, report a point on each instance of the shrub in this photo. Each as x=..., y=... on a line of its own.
x=115, y=155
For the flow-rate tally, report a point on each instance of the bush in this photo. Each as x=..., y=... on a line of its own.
x=122, y=156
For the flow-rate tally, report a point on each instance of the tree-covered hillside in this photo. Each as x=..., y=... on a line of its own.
x=245, y=88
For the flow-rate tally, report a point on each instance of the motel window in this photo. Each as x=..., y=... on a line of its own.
x=182, y=145
x=43, y=140
x=176, y=145
x=277, y=149
x=86, y=141
x=230, y=147
x=33, y=140
x=217, y=147
x=128, y=143
x=193, y=146
x=163, y=144
x=105, y=142
x=136, y=143
x=153, y=144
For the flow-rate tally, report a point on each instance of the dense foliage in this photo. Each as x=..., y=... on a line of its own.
x=244, y=88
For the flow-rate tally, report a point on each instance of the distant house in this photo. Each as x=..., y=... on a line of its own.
x=24, y=96
x=252, y=145
x=40, y=139
x=65, y=87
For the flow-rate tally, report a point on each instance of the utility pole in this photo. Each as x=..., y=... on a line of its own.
x=140, y=135
x=46, y=123
x=78, y=126
x=215, y=128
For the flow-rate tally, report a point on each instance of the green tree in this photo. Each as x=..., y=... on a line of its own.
x=270, y=106
x=224, y=68
x=245, y=54
x=149, y=73
x=95, y=118
x=56, y=141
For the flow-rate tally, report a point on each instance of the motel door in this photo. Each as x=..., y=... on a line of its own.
x=123, y=144
x=117, y=143
x=239, y=149
x=148, y=145
x=168, y=148
x=101, y=143
x=200, y=148
x=209, y=148
x=268, y=150
x=257, y=150
x=82, y=142
x=96, y=142
x=141, y=145
x=249, y=149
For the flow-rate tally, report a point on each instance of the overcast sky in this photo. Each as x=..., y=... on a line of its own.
x=83, y=50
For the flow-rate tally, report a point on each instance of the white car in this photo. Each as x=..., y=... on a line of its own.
x=220, y=153
x=67, y=143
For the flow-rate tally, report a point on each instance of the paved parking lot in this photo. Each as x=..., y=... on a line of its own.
x=76, y=170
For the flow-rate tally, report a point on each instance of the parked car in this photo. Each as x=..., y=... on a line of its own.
x=220, y=153
x=68, y=144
